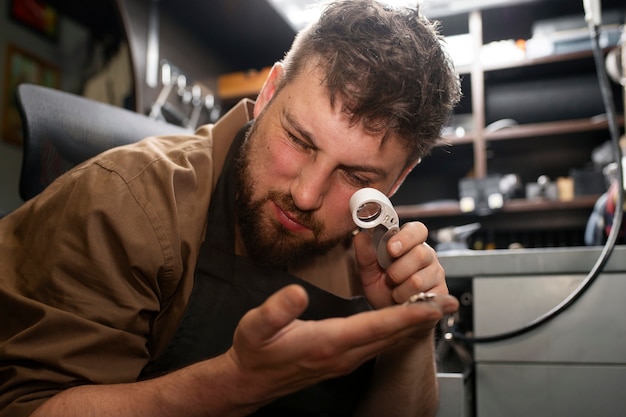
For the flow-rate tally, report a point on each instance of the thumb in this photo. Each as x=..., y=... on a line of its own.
x=261, y=324
x=365, y=255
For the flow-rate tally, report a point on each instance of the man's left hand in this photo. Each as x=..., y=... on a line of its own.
x=415, y=268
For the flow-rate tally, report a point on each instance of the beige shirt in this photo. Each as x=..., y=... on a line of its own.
x=96, y=271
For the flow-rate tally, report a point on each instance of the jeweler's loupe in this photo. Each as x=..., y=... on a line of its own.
x=373, y=211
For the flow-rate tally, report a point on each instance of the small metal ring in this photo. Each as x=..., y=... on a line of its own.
x=422, y=296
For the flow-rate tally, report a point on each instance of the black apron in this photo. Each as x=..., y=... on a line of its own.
x=226, y=286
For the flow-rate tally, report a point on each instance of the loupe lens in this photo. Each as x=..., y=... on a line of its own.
x=369, y=211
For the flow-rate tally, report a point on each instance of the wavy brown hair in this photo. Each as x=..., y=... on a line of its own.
x=385, y=65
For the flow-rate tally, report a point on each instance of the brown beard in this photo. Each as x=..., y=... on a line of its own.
x=267, y=241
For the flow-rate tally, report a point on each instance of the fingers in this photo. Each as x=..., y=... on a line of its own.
x=411, y=235
x=419, y=257
x=365, y=254
x=262, y=324
x=381, y=328
x=416, y=268
x=418, y=271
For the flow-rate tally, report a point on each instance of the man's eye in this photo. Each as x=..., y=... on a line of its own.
x=298, y=142
x=357, y=180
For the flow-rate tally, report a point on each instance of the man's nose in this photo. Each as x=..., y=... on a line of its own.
x=310, y=187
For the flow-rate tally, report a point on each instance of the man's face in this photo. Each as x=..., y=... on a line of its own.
x=300, y=165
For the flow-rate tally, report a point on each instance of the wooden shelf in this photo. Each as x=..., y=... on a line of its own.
x=451, y=208
x=241, y=84
x=551, y=128
x=552, y=148
x=526, y=205
x=527, y=62
x=532, y=130
x=444, y=209
x=464, y=69
x=549, y=59
x=467, y=138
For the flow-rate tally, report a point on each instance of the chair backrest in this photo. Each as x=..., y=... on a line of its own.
x=61, y=130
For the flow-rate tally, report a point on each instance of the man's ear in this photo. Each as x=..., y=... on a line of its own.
x=403, y=176
x=268, y=89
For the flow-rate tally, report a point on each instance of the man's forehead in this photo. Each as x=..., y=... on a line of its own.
x=314, y=75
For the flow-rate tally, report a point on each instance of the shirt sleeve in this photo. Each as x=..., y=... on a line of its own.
x=85, y=270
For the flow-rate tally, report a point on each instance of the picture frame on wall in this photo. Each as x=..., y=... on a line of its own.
x=22, y=67
x=36, y=15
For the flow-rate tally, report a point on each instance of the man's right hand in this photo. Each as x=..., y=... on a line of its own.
x=276, y=353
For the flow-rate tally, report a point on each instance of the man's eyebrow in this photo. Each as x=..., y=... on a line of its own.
x=382, y=174
x=311, y=139
x=298, y=128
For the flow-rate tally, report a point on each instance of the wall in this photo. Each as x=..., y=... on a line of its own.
x=191, y=55
x=68, y=53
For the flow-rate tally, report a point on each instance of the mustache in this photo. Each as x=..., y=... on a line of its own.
x=305, y=218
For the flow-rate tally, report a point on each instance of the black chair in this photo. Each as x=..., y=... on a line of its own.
x=62, y=130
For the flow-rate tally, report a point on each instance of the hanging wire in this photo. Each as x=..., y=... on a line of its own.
x=607, y=97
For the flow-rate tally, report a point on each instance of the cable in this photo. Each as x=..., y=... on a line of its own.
x=607, y=97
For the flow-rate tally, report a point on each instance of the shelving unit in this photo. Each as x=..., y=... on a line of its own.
x=549, y=147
